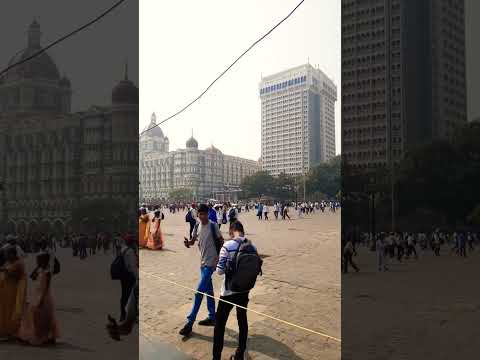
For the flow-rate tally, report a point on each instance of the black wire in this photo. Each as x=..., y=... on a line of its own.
x=224, y=71
x=42, y=50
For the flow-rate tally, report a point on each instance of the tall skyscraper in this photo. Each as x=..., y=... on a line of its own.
x=298, y=120
x=403, y=76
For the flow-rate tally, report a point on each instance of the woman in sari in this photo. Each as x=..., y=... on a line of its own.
x=142, y=228
x=155, y=238
x=13, y=289
x=39, y=325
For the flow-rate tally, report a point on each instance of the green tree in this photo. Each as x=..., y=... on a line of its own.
x=324, y=178
x=100, y=214
x=442, y=177
x=259, y=184
x=285, y=187
x=180, y=194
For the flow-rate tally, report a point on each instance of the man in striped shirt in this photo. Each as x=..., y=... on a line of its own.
x=227, y=253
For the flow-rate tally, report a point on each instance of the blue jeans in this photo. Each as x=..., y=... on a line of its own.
x=205, y=285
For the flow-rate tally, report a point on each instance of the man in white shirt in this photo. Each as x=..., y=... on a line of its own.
x=380, y=250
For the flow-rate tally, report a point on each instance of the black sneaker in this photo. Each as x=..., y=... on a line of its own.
x=207, y=322
x=186, y=330
x=236, y=356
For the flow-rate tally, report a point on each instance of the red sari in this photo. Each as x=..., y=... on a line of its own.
x=155, y=238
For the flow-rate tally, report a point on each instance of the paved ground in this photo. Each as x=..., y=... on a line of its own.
x=301, y=284
x=84, y=295
x=425, y=309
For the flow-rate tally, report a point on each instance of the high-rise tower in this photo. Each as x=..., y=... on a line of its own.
x=298, y=120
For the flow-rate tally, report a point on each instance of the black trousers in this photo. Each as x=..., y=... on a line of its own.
x=221, y=317
x=127, y=286
x=348, y=259
x=192, y=226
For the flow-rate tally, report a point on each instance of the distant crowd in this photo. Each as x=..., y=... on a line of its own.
x=399, y=246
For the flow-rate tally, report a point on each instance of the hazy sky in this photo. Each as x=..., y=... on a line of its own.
x=93, y=59
x=184, y=45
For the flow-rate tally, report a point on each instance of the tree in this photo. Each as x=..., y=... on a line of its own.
x=285, y=187
x=442, y=177
x=100, y=214
x=324, y=178
x=180, y=194
x=259, y=184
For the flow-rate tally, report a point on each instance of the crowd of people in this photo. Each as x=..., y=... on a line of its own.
x=400, y=246
x=281, y=209
x=33, y=321
x=220, y=256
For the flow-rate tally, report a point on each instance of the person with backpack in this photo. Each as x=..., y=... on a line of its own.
x=232, y=214
x=125, y=269
x=210, y=241
x=191, y=219
x=240, y=264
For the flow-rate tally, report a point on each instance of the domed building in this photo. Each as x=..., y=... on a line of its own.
x=207, y=173
x=192, y=144
x=52, y=159
x=35, y=85
x=152, y=138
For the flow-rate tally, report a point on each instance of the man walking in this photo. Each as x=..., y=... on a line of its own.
x=129, y=252
x=348, y=252
x=209, y=237
x=275, y=210
x=228, y=254
x=380, y=249
x=191, y=219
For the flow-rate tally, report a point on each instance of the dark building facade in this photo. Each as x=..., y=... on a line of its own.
x=403, y=76
x=51, y=159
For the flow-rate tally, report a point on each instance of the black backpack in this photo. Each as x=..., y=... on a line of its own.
x=243, y=269
x=216, y=239
x=56, y=266
x=118, y=268
x=189, y=217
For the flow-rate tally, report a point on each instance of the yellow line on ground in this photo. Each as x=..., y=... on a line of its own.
x=247, y=309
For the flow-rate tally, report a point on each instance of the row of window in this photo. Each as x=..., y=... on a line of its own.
x=283, y=85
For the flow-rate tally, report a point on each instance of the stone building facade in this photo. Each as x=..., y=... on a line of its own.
x=207, y=173
x=52, y=159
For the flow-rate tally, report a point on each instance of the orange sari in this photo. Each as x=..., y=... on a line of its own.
x=142, y=230
x=13, y=292
x=155, y=238
x=39, y=325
